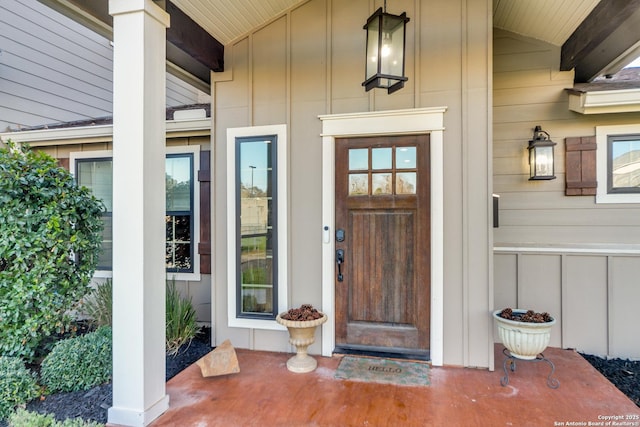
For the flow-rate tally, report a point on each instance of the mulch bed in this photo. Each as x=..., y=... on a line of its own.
x=624, y=374
x=92, y=404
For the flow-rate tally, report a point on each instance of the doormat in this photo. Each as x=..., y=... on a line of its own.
x=383, y=371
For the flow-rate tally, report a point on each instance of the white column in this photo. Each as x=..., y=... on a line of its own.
x=139, y=33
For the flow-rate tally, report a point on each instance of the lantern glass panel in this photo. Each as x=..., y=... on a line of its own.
x=391, y=52
x=373, y=35
x=543, y=161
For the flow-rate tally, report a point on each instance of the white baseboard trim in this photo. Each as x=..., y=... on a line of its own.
x=134, y=418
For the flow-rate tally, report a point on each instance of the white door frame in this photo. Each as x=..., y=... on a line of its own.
x=396, y=122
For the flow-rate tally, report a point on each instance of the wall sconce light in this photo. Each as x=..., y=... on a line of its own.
x=385, y=50
x=541, y=163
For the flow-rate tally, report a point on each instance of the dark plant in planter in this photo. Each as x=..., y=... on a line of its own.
x=529, y=316
x=305, y=312
x=50, y=237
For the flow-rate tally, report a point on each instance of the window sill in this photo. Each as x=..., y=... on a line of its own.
x=272, y=325
x=181, y=277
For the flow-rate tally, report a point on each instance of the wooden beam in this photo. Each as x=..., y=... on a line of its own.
x=606, y=34
x=194, y=40
x=189, y=47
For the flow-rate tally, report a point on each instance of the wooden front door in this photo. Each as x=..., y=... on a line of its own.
x=382, y=283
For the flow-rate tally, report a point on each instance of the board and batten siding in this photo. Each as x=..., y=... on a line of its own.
x=310, y=62
x=593, y=295
x=53, y=70
x=567, y=255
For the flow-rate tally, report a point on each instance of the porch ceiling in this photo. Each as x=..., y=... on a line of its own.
x=227, y=20
x=596, y=36
x=551, y=21
x=593, y=33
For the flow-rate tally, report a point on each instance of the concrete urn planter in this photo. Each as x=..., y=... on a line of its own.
x=301, y=335
x=524, y=340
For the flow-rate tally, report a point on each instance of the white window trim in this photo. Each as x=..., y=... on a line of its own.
x=187, y=149
x=283, y=235
x=602, y=134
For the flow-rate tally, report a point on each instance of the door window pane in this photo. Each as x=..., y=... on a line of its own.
x=381, y=158
x=358, y=159
x=406, y=183
x=406, y=158
x=358, y=184
x=255, y=195
x=381, y=183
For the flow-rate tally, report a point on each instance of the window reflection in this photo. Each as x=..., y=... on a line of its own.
x=393, y=170
x=625, y=163
x=381, y=158
x=406, y=158
x=358, y=159
x=179, y=204
x=95, y=174
x=255, y=195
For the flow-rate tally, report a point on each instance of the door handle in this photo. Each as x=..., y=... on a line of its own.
x=340, y=261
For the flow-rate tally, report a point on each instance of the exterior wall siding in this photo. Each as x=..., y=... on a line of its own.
x=566, y=255
x=593, y=296
x=309, y=62
x=54, y=70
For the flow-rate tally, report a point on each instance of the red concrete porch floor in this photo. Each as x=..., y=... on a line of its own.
x=265, y=393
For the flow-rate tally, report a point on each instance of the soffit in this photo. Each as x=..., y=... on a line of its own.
x=552, y=21
x=226, y=20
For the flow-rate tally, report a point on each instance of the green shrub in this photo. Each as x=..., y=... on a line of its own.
x=17, y=385
x=99, y=304
x=23, y=418
x=181, y=320
x=50, y=237
x=78, y=363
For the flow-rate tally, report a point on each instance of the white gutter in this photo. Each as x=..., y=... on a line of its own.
x=85, y=134
x=605, y=101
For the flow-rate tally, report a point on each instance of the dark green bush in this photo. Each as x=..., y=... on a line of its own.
x=98, y=304
x=78, y=363
x=17, y=385
x=50, y=236
x=23, y=418
x=181, y=320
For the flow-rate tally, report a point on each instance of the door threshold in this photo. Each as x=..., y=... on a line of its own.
x=383, y=352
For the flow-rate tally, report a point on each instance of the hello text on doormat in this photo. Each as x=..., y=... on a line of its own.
x=383, y=371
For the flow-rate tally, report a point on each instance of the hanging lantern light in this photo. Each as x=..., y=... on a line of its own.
x=541, y=164
x=385, y=50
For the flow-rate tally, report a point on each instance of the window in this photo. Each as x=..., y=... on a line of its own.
x=96, y=174
x=618, y=160
x=94, y=170
x=623, y=164
x=257, y=248
x=179, y=186
x=257, y=236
